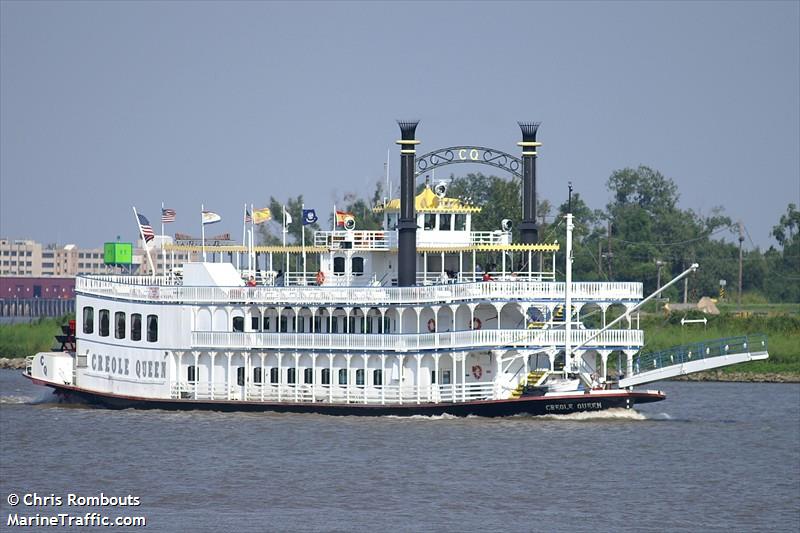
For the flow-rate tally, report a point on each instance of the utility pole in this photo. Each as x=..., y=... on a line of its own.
x=741, y=240
x=659, y=262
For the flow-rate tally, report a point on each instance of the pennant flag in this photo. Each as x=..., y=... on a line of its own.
x=146, y=228
x=247, y=217
x=167, y=215
x=261, y=215
x=346, y=220
x=309, y=216
x=210, y=218
x=287, y=217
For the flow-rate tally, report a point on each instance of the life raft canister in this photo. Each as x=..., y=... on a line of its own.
x=320, y=277
x=476, y=323
x=477, y=371
x=431, y=325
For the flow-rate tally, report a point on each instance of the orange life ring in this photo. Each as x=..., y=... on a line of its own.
x=431, y=325
x=320, y=277
x=477, y=371
x=476, y=323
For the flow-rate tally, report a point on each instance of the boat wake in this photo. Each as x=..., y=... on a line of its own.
x=608, y=414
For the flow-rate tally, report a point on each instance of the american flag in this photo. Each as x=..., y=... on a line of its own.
x=167, y=215
x=248, y=218
x=146, y=228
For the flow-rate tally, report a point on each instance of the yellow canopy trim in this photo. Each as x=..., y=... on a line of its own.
x=428, y=202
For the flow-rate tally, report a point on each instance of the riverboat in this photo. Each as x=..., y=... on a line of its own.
x=412, y=319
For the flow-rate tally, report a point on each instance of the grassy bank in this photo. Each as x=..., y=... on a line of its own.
x=782, y=330
x=21, y=340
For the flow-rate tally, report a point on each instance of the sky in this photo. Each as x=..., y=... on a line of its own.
x=109, y=105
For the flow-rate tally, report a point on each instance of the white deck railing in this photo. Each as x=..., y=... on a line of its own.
x=614, y=338
x=385, y=240
x=141, y=289
x=373, y=394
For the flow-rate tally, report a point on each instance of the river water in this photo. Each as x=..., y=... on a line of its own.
x=712, y=457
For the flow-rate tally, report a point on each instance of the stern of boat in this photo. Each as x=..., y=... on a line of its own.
x=51, y=367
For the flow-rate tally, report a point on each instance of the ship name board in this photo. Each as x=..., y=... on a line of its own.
x=121, y=366
x=571, y=406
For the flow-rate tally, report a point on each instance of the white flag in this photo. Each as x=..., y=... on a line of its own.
x=287, y=216
x=210, y=218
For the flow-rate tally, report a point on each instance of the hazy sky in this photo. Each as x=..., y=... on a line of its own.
x=105, y=105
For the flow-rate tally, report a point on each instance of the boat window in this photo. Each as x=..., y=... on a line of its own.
x=284, y=324
x=300, y=326
x=257, y=373
x=338, y=266
x=308, y=376
x=334, y=325
x=358, y=266
x=369, y=324
x=152, y=328
x=317, y=324
x=104, y=322
x=291, y=374
x=254, y=323
x=391, y=220
x=444, y=222
x=136, y=327
x=88, y=319
x=238, y=324
x=342, y=376
x=119, y=325
x=430, y=221
x=192, y=374
x=360, y=376
x=326, y=376
x=240, y=376
x=377, y=377
x=273, y=375
x=433, y=377
x=266, y=324
x=460, y=222
x=387, y=323
x=445, y=377
x=351, y=324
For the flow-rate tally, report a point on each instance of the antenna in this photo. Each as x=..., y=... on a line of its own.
x=569, y=199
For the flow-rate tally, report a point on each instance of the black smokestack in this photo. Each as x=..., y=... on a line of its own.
x=529, y=231
x=407, y=224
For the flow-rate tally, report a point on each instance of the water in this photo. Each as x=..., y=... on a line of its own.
x=712, y=457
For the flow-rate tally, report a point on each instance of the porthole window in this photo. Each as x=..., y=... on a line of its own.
x=104, y=322
x=136, y=327
x=119, y=325
x=338, y=266
x=358, y=266
x=88, y=319
x=152, y=328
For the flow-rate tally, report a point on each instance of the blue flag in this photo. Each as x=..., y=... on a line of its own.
x=309, y=216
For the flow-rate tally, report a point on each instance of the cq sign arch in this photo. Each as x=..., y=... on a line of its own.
x=468, y=154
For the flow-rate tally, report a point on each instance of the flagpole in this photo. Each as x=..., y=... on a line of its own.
x=144, y=242
x=303, y=233
x=203, y=232
x=163, y=252
x=286, y=253
x=254, y=265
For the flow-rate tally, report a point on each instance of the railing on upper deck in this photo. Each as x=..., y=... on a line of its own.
x=385, y=240
x=591, y=291
x=470, y=339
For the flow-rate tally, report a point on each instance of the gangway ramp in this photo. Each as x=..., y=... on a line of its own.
x=698, y=357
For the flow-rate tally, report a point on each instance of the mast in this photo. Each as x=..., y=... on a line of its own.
x=568, y=297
